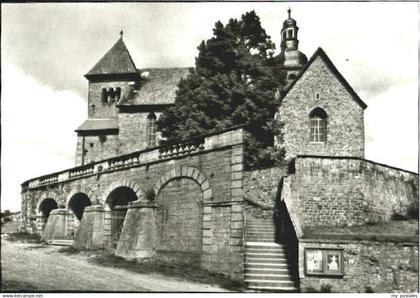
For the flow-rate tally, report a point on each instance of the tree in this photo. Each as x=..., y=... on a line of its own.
x=233, y=83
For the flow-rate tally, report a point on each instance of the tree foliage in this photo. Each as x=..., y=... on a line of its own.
x=233, y=83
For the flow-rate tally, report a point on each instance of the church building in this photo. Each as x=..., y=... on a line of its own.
x=326, y=219
x=123, y=105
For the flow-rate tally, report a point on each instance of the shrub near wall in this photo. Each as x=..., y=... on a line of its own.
x=261, y=190
x=368, y=266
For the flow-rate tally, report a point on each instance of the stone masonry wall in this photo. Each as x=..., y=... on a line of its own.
x=131, y=137
x=345, y=126
x=97, y=148
x=133, y=130
x=215, y=165
x=101, y=109
x=382, y=267
x=346, y=191
x=180, y=216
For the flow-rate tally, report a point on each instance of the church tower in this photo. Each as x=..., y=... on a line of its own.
x=124, y=104
x=292, y=60
x=111, y=77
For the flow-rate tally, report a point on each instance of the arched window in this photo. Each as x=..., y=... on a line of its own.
x=318, y=125
x=151, y=130
x=117, y=93
x=104, y=95
x=111, y=95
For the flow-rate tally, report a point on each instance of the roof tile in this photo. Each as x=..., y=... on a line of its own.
x=116, y=61
x=157, y=86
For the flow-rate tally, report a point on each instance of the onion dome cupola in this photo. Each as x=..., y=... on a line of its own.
x=292, y=59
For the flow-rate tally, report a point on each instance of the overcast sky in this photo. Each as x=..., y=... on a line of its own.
x=47, y=48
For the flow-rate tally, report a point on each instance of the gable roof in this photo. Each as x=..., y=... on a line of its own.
x=158, y=88
x=116, y=61
x=320, y=52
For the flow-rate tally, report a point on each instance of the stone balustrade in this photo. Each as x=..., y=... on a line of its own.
x=48, y=179
x=81, y=171
x=187, y=147
x=157, y=154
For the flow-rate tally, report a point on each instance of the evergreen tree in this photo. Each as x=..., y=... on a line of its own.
x=233, y=83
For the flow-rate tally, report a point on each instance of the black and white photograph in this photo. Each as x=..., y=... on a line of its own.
x=209, y=147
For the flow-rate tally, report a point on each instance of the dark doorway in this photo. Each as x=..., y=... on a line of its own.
x=78, y=203
x=118, y=201
x=46, y=206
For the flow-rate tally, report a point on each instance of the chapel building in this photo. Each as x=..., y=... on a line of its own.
x=323, y=219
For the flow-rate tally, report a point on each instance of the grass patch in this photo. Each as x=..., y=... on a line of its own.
x=191, y=272
x=68, y=250
x=394, y=231
x=18, y=286
x=24, y=237
x=324, y=288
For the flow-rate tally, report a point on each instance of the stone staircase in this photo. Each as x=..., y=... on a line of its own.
x=267, y=267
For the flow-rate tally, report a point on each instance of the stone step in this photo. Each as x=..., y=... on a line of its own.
x=265, y=245
x=262, y=227
x=278, y=250
x=265, y=256
x=279, y=271
x=269, y=276
x=266, y=260
x=263, y=268
x=260, y=239
x=269, y=254
x=267, y=222
x=265, y=234
x=270, y=283
x=275, y=288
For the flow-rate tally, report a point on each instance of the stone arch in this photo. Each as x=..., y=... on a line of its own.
x=186, y=172
x=115, y=200
x=121, y=183
x=47, y=202
x=46, y=195
x=180, y=210
x=79, y=189
x=77, y=204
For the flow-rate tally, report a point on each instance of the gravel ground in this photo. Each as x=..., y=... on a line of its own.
x=39, y=268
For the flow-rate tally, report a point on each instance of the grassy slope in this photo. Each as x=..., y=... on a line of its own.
x=395, y=230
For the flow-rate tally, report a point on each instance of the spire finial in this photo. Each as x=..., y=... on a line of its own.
x=121, y=33
x=289, y=11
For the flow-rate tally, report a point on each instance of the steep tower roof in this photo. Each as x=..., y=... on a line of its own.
x=116, y=61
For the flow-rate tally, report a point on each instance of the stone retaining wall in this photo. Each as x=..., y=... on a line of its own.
x=347, y=191
x=383, y=267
